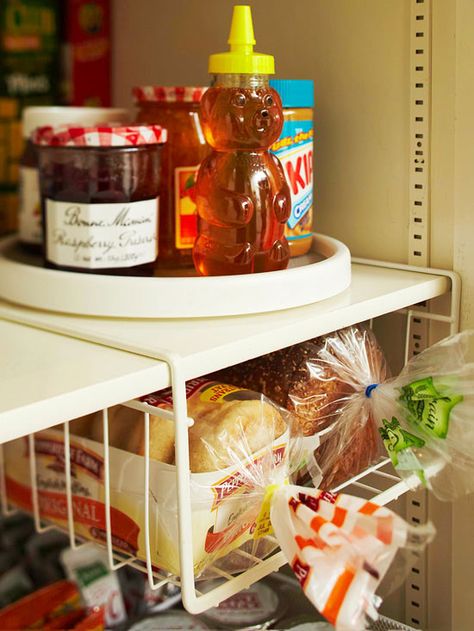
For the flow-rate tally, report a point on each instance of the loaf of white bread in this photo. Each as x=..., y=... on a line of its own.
x=223, y=433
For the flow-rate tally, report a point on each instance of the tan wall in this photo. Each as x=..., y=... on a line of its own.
x=357, y=53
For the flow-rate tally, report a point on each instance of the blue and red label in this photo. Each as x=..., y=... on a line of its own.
x=294, y=148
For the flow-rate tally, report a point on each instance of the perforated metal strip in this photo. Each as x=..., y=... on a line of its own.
x=416, y=588
x=420, y=115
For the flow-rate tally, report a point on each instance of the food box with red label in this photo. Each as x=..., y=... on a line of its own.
x=86, y=52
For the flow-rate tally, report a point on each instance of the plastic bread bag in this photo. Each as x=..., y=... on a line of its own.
x=424, y=416
x=316, y=392
x=239, y=443
x=340, y=548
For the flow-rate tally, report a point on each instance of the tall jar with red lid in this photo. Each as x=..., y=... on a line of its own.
x=100, y=197
x=177, y=109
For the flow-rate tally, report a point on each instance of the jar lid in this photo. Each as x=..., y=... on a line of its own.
x=168, y=94
x=40, y=116
x=294, y=92
x=71, y=136
x=253, y=606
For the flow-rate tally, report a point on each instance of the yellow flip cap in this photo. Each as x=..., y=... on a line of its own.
x=241, y=59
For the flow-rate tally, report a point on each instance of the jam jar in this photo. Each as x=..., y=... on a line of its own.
x=176, y=109
x=29, y=217
x=100, y=190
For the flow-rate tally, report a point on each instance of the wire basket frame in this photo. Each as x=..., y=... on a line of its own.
x=378, y=482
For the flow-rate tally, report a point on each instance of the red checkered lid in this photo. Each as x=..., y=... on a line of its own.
x=168, y=94
x=106, y=136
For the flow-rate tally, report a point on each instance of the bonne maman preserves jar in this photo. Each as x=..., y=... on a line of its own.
x=100, y=191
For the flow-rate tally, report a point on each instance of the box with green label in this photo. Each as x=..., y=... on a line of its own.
x=29, y=64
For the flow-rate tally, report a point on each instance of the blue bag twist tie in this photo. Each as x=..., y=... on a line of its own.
x=368, y=390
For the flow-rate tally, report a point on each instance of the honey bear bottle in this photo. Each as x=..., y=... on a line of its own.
x=243, y=199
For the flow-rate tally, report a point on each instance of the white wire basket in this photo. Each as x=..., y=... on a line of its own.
x=379, y=482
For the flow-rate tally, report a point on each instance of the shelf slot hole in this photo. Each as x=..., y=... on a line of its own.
x=417, y=345
x=418, y=186
x=415, y=570
x=420, y=34
x=415, y=587
x=417, y=236
x=420, y=17
x=419, y=119
x=415, y=604
x=415, y=621
x=417, y=320
x=417, y=203
x=420, y=1
x=419, y=169
x=419, y=51
x=416, y=502
x=418, y=135
x=419, y=68
x=418, y=220
x=419, y=85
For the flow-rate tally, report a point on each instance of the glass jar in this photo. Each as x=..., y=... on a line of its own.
x=100, y=191
x=29, y=218
x=294, y=148
x=176, y=109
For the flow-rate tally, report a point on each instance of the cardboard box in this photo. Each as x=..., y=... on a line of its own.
x=224, y=506
x=29, y=67
x=86, y=53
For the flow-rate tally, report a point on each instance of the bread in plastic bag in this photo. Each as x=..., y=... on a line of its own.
x=315, y=380
x=238, y=443
x=424, y=415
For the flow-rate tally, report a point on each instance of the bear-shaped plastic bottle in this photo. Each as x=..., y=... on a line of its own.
x=243, y=199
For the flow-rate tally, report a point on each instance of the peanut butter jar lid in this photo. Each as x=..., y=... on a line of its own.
x=294, y=92
x=168, y=94
x=106, y=136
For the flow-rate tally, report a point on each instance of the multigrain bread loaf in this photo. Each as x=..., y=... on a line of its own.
x=223, y=434
x=315, y=380
x=293, y=378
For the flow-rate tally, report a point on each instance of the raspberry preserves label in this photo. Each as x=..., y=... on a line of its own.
x=100, y=236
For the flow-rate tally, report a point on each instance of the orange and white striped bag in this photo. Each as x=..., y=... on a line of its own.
x=340, y=548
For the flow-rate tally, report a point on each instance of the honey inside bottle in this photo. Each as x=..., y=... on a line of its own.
x=243, y=199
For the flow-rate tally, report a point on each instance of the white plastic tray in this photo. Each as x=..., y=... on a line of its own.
x=321, y=274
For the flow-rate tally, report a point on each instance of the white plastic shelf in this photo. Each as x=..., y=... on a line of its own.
x=47, y=378
x=206, y=344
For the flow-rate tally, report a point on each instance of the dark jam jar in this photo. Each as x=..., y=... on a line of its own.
x=100, y=190
x=177, y=109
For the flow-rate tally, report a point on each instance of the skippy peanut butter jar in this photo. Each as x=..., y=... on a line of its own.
x=294, y=148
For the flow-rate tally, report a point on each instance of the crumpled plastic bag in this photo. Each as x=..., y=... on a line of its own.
x=340, y=547
x=425, y=415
